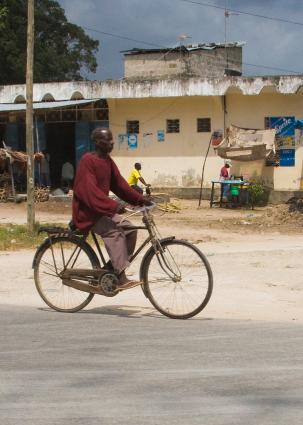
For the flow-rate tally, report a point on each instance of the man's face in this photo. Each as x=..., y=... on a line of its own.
x=105, y=143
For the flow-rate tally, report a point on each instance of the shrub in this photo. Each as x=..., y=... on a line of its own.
x=256, y=192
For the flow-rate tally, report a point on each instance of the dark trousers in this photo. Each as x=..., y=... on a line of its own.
x=137, y=188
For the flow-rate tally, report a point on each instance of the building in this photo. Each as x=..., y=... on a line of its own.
x=163, y=123
x=197, y=60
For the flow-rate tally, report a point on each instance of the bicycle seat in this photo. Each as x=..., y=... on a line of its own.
x=72, y=226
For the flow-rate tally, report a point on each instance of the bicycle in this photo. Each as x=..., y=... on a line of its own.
x=176, y=276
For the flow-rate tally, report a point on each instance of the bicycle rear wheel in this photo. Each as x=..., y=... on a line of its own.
x=54, y=256
x=178, y=281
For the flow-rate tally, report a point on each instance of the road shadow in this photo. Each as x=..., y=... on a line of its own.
x=130, y=312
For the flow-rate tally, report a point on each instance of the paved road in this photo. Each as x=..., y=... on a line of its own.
x=113, y=366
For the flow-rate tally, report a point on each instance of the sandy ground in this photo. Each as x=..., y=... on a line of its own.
x=255, y=257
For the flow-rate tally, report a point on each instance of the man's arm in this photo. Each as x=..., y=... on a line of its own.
x=143, y=181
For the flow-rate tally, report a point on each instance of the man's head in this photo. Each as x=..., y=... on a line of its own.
x=138, y=166
x=103, y=139
x=227, y=165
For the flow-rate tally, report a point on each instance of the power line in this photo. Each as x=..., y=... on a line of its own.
x=170, y=49
x=274, y=69
x=241, y=12
x=125, y=38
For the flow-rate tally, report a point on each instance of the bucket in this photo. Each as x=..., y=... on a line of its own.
x=234, y=190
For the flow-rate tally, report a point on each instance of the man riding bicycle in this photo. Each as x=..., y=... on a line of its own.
x=93, y=209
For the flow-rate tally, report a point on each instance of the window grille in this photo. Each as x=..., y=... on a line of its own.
x=132, y=127
x=203, y=125
x=172, y=126
x=267, y=123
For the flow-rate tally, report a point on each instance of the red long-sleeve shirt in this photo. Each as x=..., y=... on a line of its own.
x=95, y=177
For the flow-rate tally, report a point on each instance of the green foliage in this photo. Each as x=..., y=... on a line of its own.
x=256, y=192
x=62, y=50
x=14, y=237
x=3, y=13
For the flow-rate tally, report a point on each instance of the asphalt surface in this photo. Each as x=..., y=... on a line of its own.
x=115, y=366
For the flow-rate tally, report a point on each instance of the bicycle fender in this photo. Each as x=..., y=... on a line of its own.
x=147, y=254
x=47, y=243
x=44, y=244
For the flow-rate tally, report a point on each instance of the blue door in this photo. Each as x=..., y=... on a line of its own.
x=82, y=139
x=12, y=135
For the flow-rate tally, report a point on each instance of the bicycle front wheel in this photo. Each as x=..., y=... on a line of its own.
x=56, y=255
x=178, y=280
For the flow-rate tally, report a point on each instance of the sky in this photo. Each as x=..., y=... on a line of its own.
x=273, y=47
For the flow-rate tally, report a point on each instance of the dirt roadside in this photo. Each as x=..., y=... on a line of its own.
x=255, y=257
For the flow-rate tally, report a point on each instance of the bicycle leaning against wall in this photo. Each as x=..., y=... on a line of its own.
x=176, y=277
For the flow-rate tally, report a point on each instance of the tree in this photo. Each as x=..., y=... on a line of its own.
x=63, y=52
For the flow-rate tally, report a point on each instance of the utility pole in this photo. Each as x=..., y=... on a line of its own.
x=227, y=14
x=29, y=118
x=182, y=38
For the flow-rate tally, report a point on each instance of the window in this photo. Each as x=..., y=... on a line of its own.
x=172, y=126
x=203, y=125
x=132, y=127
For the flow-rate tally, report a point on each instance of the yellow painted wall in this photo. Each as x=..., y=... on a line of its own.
x=250, y=111
x=178, y=160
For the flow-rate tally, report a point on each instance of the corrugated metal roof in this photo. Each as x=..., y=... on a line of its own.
x=187, y=48
x=11, y=107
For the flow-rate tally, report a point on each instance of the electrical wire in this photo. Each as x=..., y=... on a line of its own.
x=205, y=54
x=125, y=38
x=241, y=12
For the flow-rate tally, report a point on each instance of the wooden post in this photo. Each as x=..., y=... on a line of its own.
x=29, y=118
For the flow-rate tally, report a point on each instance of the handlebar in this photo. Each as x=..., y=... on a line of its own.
x=140, y=209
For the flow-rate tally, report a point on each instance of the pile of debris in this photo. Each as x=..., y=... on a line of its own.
x=295, y=205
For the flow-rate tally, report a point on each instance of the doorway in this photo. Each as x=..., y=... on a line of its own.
x=60, y=144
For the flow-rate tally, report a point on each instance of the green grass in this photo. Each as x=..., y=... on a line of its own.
x=15, y=236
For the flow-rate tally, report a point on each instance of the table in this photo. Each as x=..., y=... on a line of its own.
x=240, y=183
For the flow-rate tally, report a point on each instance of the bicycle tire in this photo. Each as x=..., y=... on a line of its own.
x=43, y=258
x=181, y=252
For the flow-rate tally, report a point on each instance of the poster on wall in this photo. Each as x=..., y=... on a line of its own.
x=132, y=141
x=287, y=157
x=161, y=135
x=147, y=139
x=122, y=141
x=285, y=131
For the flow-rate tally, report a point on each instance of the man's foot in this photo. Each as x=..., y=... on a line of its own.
x=128, y=284
x=125, y=283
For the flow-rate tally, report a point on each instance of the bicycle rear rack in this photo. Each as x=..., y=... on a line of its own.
x=59, y=231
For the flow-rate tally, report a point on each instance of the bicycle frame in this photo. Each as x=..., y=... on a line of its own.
x=169, y=267
x=155, y=239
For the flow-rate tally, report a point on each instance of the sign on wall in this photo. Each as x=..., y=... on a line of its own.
x=161, y=135
x=285, y=139
x=132, y=141
x=285, y=131
x=287, y=157
x=122, y=141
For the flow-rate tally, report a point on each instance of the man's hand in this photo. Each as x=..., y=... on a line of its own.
x=146, y=201
x=121, y=209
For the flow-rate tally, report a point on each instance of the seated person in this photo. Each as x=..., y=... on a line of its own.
x=67, y=175
x=135, y=176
